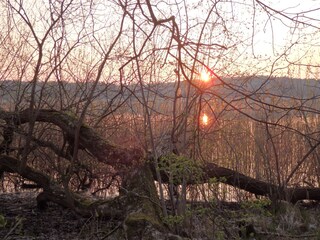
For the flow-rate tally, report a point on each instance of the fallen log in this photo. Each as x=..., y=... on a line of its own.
x=129, y=159
x=137, y=206
x=258, y=187
x=88, y=138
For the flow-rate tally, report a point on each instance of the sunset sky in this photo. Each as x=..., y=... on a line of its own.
x=255, y=38
x=277, y=29
x=275, y=33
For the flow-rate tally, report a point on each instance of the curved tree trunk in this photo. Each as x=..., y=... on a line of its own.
x=99, y=147
x=137, y=206
x=138, y=203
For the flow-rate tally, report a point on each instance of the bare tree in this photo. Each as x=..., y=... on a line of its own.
x=108, y=96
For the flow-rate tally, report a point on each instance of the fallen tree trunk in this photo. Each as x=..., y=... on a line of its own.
x=82, y=205
x=258, y=187
x=137, y=206
x=238, y=180
x=130, y=159
x=89, y=139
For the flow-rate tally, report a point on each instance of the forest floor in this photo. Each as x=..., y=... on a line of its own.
x=21, y=220
x=24, y=221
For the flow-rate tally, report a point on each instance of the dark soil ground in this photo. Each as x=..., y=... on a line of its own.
x=21, y=219
x=25, y=221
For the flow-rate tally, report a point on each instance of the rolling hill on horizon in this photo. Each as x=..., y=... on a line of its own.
x=260, y=87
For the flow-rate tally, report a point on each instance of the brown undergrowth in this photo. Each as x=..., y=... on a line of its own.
x=257, y=219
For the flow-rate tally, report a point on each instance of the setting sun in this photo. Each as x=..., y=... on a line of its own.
x=205, y=76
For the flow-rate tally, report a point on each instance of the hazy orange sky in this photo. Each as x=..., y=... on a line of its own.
x=276, y=26
x=274, y=33
x=261, y=37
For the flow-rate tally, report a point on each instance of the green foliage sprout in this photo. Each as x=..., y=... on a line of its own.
x=180, y=168
x=3, y=221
